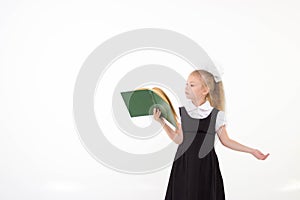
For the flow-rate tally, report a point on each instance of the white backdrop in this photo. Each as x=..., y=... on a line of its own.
x=44, y=44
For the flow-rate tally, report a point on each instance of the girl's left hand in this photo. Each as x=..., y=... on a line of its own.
x=259, y=155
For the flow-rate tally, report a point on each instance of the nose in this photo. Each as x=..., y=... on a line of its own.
x=186, y=91
x=186, y=88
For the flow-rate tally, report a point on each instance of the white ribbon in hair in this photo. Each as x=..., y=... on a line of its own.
x=220, y=71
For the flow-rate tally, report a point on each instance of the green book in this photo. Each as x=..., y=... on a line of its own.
x=141, y=102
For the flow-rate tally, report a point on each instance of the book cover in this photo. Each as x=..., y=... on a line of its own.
x=141, y=102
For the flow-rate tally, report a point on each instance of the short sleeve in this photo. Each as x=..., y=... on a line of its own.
x=221, y=120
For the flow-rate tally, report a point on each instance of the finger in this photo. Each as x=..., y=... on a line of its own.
x=264, y=157
x=267, y=155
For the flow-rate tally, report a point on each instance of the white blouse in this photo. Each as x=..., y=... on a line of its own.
x=202, y=111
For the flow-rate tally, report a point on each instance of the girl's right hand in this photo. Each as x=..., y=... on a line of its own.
x=156, y=114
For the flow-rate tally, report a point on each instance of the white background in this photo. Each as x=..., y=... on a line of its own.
x=44, y=44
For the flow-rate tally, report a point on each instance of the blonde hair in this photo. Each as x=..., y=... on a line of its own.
x=216, y=95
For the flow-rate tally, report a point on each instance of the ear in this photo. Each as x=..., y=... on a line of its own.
x=205, y=91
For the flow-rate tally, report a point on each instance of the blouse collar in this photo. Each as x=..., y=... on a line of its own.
x=203, y=107
x=198, y=111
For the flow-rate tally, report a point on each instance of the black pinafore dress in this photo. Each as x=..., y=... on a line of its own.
x=195, y=173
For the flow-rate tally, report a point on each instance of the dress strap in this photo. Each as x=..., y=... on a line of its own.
x=213, y=119
x=209, y=140
x=180, y=110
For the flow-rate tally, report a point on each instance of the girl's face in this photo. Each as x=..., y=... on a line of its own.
x=195, y=88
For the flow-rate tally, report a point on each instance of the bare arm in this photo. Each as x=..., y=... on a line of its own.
x=234, y=145
x=176, y=135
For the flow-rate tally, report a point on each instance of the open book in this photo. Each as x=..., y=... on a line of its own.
x=142, y=101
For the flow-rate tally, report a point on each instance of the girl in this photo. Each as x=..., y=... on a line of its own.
x=195, y=172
